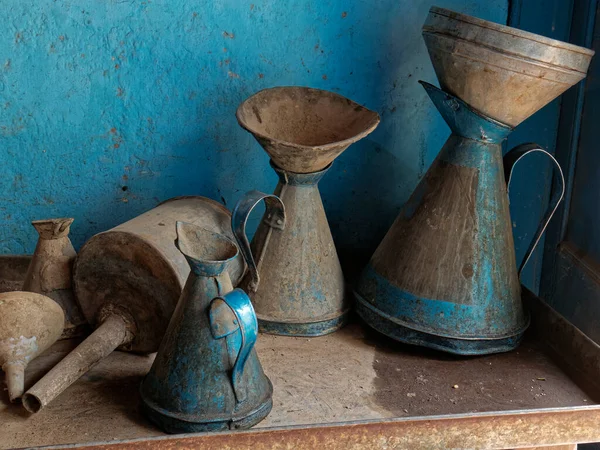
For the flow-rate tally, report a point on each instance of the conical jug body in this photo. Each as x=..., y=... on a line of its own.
x=445, y=274
x=206, y=375
x=301, y=291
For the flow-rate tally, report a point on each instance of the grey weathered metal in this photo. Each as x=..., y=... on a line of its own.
x=29, y=324
x=303, y=129
x=50, y=271
x=302, y=289
x=505, y=73
x=445, y=274
x=137, y=266
x=127, y=281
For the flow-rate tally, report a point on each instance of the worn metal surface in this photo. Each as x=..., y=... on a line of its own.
x=274, y=218
x=131, y=277
x=114, y=331
x=445, y=274
x=302, y=129
x=505, y=73
x=302, y=289
x=29, y=324
x=50, y=271
x=136, y=266
x=352, y=375
x=206, y=375
x=489, y=431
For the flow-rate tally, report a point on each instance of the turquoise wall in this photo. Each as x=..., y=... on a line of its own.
x=108, y=107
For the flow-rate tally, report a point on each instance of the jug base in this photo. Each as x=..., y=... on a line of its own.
x=169, y=423
x=307, y=329
x=384, y=324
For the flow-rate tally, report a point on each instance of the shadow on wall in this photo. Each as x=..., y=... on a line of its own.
x=109, y=108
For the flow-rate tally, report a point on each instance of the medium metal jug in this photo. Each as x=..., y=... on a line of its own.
x=445, y=275
x=206, y=375
x=301, y=291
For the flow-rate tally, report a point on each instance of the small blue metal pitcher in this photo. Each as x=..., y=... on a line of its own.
x=206, y=375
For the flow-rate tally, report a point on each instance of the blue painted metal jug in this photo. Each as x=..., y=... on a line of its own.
x=445, y=275
x=206, y=375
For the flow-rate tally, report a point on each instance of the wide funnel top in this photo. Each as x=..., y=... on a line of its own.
x=304, y=129
x=505, y=73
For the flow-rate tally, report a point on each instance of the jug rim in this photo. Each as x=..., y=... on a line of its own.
x=190, y=256
x=376, y=119
x=506, y=30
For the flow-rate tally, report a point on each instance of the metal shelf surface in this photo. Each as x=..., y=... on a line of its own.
x=352, y=381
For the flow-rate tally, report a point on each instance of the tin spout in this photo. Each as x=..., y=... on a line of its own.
x=15, y=379
x=114, y=331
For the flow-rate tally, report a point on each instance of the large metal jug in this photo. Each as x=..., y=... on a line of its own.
x=301, y=291
x=445, y=275
x=206, y=375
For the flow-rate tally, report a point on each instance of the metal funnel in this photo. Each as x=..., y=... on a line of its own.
x=303, y=129
x=505, y=73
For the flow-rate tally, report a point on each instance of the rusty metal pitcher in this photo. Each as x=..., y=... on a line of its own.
x=445, y=275
x=295, y=279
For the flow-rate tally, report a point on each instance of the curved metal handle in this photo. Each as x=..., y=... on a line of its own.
x=558, y=192
x=239, y=303
x=275, y=218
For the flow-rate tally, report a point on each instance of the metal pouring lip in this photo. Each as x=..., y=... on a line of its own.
x=508, y=30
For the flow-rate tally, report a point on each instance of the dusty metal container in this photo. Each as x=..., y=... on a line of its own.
x=206, y=375
x=505, y=73
x=127, y=281
x=301, y=290
x=136, y=265
x=50, y=271
x=445, y=274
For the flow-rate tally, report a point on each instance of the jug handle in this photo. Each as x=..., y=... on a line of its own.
x=239, y=303
x=275, y=218
x=558, y=191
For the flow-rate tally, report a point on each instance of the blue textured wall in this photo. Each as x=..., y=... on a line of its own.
x=107, y=107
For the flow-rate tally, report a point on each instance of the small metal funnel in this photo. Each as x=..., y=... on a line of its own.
x=303, y=129
x=29, y=324
x=504, y=73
